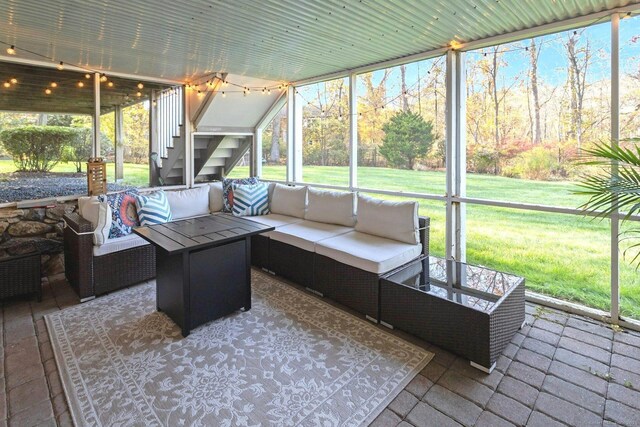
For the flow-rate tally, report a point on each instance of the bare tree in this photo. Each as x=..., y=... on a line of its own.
x=534, y=53
x=403, y=79
x=274, y=155
x=579, y=59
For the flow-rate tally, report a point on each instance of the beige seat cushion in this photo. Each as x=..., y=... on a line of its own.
x=119, y=244
x=367, y=252
x=305, y=234
x=274, y=220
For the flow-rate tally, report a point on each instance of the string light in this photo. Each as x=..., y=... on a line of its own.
x=155, y=102
x=6, y=84
x=138, y=94
x=110, y=84
x=53, y=84
x=11, y=50
x=47, y=91
x=224, y=95
x=103, y=78
x=61, y=66
x=13, y=81
x=80, y=84
x=140, y=85
x=87, y=76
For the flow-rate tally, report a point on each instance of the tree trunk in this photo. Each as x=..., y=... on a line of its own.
x=403, y=78
x=534, y=52
x=493, y=72
x=42, y=119
x=274, y=155
x=579, y=60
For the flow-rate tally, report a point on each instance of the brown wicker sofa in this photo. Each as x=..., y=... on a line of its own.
x=317, y=255
x=94, y=269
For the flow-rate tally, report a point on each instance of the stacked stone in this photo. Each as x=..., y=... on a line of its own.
x=23, y=229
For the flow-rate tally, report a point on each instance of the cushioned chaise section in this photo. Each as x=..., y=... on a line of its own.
x=366, y=252
x=119, y=244
x=274, y=220
x=305, y=234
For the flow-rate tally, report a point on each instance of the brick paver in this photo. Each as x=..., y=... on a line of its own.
x=559, y=370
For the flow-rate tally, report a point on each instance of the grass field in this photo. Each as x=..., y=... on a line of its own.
x=565, y=256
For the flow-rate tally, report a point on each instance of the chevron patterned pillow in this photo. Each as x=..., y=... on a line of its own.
x=153, y=208
x=250, y=199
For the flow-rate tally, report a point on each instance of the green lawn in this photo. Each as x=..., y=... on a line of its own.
x=565, y=256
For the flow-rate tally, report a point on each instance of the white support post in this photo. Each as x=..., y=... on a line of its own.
x=188, y=178
x=290, y=132
x=353, y=133
x=96, y=115
x=298, y=102
x=460, y=209
x=451, y=155
x=615, y=137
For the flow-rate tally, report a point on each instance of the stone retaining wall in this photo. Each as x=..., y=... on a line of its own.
x=20, y=229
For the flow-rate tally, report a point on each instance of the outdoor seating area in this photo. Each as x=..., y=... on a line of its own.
x=286, y=213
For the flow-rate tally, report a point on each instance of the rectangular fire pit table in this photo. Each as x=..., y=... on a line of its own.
x=202, y=267
x=469, y=310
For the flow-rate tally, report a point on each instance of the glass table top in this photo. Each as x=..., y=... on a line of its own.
x=473, y=286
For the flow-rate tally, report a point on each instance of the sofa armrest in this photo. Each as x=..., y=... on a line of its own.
x=424, y=222
x=78, y=224
x=78, y=254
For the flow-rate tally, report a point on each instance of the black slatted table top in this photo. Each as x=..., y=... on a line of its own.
x=189, y=234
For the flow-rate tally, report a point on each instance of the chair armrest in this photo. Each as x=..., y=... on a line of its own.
x=77, y=224
x=424, y=222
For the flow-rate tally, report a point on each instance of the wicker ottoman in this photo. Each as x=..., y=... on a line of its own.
x=20, y=275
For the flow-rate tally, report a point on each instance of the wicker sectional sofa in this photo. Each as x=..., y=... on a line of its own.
x=324, y=246
x=319, y=243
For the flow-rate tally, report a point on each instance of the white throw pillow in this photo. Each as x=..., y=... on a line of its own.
x=189, y=203
x=385, y=218
x=103, y=225
x=291, y=201
x=99, y=215
x=331, y=207
x=216, y=202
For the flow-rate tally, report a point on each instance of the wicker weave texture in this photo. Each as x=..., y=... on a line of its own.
x=124, y=268
x=260, y=251
x=20, y=275
x=78, y=255
x=291, y=263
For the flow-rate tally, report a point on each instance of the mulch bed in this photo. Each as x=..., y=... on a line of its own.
x=39, y=185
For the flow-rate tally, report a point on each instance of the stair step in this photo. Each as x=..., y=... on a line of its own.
x=230, y=143
x=216, y=161
x=222, y=152
x=175, y=172
x=210, y=170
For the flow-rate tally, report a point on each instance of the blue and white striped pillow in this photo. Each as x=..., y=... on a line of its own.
x=250, y=199
x=153, y=208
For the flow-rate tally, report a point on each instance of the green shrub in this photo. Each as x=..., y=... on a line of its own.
x=78, y=149
x=538, y=163
x=407, y=138
x=484, y=161
x=36, y=148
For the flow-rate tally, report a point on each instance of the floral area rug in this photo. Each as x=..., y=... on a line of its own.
x=291, y=360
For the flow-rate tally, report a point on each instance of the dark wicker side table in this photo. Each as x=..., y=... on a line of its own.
x=20, y=275
x=474, y=316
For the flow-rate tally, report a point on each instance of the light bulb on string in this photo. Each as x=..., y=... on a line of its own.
x=53, y=84
x=140, y=86
x=87, y=76
x=155, y=103
x=47, y=91
x=80, y=84
x=60, y=66
x=264, y=90
x=138, y=94
x=13, y=81
x=103, y=78
x=11, y=50
x=6, y=84
x=268, y=91
x=224, y=95
x=110, y=84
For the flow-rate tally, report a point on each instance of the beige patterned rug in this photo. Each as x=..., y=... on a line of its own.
x=291, y=360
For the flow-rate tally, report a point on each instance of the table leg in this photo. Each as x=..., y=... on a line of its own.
x=247, y=304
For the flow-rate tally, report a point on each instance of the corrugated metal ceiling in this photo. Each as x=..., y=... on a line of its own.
x=272, y=39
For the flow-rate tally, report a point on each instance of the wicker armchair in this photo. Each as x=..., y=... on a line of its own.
x=91, y=275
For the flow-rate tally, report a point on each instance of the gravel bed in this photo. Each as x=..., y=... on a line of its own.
x=28, y=186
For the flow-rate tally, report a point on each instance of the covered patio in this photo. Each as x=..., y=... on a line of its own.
x=475, y=113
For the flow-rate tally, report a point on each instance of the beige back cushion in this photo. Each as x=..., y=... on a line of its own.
x=99, y=215
x=189, y=203
x=331, y=207
x=385, y=218
x=291, y=201
x=216, y=202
